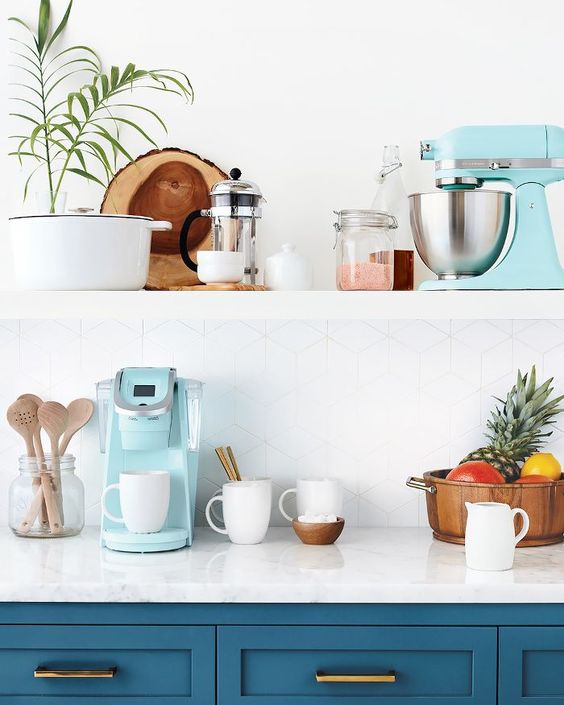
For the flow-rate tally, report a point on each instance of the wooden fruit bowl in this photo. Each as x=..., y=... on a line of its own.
x=543, y=502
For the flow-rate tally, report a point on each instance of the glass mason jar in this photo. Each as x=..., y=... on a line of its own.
x=365, y=250
x=46, y=501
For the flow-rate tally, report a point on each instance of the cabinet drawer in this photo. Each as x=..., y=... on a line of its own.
x=153, y=665
x=530, y=665
x=278, y=665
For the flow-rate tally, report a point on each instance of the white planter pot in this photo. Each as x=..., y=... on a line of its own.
x=82, y=252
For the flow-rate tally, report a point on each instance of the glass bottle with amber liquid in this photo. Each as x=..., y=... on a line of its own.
x=392, y=198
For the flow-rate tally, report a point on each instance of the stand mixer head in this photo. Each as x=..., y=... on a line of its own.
x=460, y=230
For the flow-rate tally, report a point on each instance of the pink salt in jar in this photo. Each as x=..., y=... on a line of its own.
x=365, y=250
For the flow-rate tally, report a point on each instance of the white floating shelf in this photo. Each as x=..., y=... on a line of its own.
x=283, y=305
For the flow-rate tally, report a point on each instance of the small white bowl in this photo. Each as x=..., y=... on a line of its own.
x=220, y=267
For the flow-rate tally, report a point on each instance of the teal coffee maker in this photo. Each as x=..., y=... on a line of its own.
x=149, y=419
x=462, y=230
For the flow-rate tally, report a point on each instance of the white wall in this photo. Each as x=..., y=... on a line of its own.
x=370, y=402
x=302, y=94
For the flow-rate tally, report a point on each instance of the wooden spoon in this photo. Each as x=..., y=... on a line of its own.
x=54, y=417
x=38, y=445
x=49, y=500
x=38, y=401
x=22, y=417
x=80, y=412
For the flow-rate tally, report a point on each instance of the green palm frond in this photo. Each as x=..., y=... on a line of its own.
x=83, y=131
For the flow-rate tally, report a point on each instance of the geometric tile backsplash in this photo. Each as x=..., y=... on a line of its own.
x=369, y=402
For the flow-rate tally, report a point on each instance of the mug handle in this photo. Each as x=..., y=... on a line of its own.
x=214, y=511
x=525, y=529
x=217, y=498
x=113, y=517
x=281, y=503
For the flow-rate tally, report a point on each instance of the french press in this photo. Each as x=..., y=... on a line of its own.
x=235, y=205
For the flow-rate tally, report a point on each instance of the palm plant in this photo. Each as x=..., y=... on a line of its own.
x=80, y=131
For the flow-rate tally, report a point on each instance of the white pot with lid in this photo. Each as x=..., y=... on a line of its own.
x=82, y=251
x=288, y=271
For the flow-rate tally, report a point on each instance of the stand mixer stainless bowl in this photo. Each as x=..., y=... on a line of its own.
x=460, y=234
x=460, y=230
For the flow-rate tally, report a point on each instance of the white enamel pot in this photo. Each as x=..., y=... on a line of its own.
x=82, y=251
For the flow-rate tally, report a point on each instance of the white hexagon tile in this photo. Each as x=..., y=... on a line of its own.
x=369, y=402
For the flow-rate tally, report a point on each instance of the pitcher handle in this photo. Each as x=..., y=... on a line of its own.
x=525, y=529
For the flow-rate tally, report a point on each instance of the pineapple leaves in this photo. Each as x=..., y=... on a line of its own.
x=521, y=425
x=532, y=382
x=79, y=131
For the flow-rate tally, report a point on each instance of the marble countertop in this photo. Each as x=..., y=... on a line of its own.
x=364, y=566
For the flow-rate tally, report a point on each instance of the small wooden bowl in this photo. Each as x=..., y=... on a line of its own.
x=319, y=534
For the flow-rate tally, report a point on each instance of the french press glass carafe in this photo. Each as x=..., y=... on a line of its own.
x=235, y=205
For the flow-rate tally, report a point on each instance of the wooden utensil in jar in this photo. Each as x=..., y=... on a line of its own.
x=37, y=444
x=49, y=495
x=79, y=414
x=53, y=418
x=23, y=417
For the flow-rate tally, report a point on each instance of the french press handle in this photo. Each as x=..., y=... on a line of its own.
x=183, y=243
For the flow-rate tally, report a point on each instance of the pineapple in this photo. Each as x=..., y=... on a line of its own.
x=515, y=431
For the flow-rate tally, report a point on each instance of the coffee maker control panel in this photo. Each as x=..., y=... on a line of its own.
x=144, y=391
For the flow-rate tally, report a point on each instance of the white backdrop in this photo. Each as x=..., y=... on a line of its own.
x=302, y=94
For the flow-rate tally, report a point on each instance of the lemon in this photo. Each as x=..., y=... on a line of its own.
x=542, y=464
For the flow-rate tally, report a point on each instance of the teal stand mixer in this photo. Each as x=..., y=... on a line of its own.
x=460, y=230
x=149, y=419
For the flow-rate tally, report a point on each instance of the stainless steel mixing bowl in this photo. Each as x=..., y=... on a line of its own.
x=459, y=233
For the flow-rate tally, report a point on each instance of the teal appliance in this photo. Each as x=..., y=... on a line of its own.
x=527, y=158
x=149, y=419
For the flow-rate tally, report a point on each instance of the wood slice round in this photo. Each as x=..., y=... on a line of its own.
x=167, y=184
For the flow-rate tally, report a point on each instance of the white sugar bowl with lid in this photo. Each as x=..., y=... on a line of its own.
x=288, y=271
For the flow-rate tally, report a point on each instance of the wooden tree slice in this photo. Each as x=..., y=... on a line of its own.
x=167, y=184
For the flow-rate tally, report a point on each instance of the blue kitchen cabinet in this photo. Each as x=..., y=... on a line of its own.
x=107, y=665
x=268, y=654
x=333, y=665
x=531, y=666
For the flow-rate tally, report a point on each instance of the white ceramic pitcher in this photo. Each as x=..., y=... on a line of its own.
x=490, y=535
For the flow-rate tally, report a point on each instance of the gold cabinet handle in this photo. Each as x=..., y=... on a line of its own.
x=389, y=677
x=41, y=672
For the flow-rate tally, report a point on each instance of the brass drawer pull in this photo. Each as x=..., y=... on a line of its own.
x=389, y=677
x=41, y=672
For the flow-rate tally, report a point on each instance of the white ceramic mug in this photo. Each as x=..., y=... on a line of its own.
x=144, y=496
x=315, y=496
x=490, y=535
x=246, y=510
